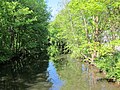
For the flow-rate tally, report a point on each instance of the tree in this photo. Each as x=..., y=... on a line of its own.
x=90, y=29
x=23, y=27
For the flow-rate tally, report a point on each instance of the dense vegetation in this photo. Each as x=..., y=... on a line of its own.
x=89, y=29
x=23, y=28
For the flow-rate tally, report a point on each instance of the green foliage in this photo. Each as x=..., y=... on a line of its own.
x=23, y=26
x=90, y=30
x=111, y=65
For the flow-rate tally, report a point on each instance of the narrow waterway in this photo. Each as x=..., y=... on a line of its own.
x=42, y=74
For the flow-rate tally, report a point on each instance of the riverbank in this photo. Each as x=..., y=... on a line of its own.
x=82, y=75
x=102, y=72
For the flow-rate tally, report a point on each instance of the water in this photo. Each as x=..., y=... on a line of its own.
x=41, y=74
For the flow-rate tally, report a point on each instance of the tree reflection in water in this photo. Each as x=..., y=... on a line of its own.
x=79, y=76
x=23, y=74
x=37, y=73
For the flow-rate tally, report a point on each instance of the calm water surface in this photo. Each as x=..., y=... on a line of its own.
x=40, y=74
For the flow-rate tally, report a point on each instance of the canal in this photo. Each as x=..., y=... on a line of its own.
x=44, y=74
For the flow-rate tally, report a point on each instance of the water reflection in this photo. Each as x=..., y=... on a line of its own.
x=54, y=77
x=25, y=74
x=37, y=73
x=31, y=73
x=79, y=76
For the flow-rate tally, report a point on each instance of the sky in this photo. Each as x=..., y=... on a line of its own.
x=54, y=6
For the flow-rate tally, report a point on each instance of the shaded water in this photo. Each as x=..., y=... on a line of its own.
x=39, y=74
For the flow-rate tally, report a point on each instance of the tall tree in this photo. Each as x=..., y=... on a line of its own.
x=23, y=26
x=90, y=29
